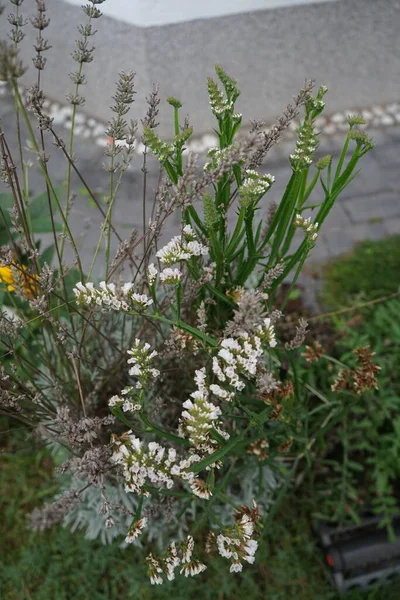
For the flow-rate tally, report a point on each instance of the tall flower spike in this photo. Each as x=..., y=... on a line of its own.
x=254, y=187
x=306, y=145
x=141, y=360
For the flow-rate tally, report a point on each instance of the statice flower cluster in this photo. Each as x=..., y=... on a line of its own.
x=125, y=403
x=151, y=274
x=306, y=145
x=182, y=248
x=199, y=418
x=239, y=356
x=152, y=465
x=254, y=187
x=109, y=297
x=177, y=555
x=141, y=359
x=135, y=530
x=237, y=544
x=170, y=276
x=309, y=228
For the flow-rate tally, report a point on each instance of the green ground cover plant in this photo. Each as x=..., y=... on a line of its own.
x=369, y=272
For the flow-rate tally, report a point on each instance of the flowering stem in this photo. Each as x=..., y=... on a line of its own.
x=202, y=464
x=200, y=335
x=46, y=175
x=170, y=436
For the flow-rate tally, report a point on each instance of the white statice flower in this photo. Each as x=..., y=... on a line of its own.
x=141, y=301
x=192, y=568
x=129, y=406
x=197, y=249
x=201, y=489
x=254, y=187
x=155, y=570
x=124, y=403
x=135, y=530
x=237, y=544
x=236, y=567
x=309, y=228
x=190, y=565
x=200, y=415
x=237, y=357
x=182, y=248
x=141, y=361
x=267, y=332
x=153, y=465
x=115, y=401
x=170, y=276
x=187, y=549
x=222, y=393
x=109, y=297
x=151, y=274
x=171, y=562
x=173, y=252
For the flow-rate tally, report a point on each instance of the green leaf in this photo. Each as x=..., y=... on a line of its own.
x=39, y=206
x=6, y=201
x=47, y=255
x=44, y=225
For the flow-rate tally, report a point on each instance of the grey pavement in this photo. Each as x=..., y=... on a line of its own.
x=368, y=209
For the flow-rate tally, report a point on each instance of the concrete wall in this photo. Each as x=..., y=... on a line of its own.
x=352, y=46
x=145, y=13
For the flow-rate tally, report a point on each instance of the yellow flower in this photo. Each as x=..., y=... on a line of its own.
x=16, y=277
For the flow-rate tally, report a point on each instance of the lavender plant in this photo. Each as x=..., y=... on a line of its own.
x=165, y=388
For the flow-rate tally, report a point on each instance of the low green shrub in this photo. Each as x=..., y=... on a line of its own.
x=370, y=271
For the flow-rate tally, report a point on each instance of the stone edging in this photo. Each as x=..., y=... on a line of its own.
x=376, y=116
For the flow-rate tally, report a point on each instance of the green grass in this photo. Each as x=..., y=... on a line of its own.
x=372, y=270
x=56, y=565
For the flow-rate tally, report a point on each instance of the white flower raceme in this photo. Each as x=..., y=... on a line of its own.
x=198, y=419
x=201, y=489
x=181, y=555
x=135, y=530
x=182, y=248
x=124, y=403
x=237, y=545
x=254, y=187
x=151, y=465
x=141, y=358
x=141, y=301
x=266, y=332
x=155, y=570
x=109, y=297
x=238, y=357
x=151, y=273
x=309, y=228
x=170, y=276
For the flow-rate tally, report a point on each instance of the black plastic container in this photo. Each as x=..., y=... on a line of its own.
x=360, y=555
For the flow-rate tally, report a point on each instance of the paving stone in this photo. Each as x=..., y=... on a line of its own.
x=392, y=226
x=337, y=219
x=381, y=205
x=340, y=241
x=321, y=250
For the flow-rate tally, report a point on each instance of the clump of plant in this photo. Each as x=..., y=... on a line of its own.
x=356, y=464
x=370, y=271
x=164, y=387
